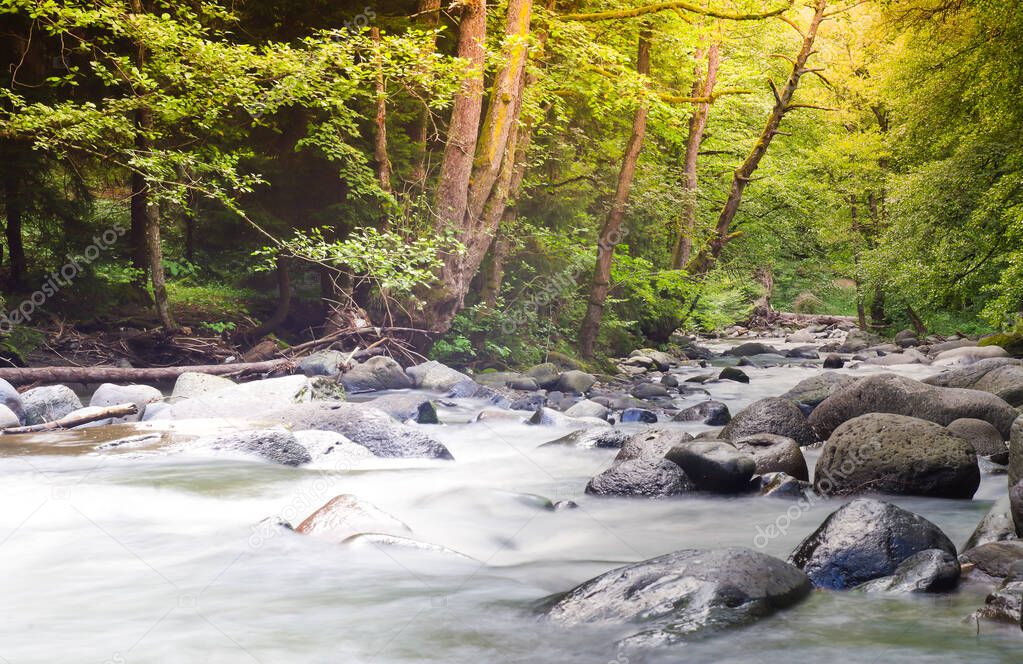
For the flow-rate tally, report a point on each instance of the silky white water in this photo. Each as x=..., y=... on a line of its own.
x=143, y=556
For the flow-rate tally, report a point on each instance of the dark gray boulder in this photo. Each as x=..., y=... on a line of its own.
x=648, y=477
x=596, y=438
x=774, y=454
x=1001, y=376
x=709, y=412
x=649, y=391
x=1016, y=506
x=642, y=415
x=864, y=540
x=802, y=353
x=714, y=465
x=783, y=485
x=683, y=595
x=1016, y=452
x=652, y=444
x=996, y=526
x=574, y=381
x=981, y=435
x=833, y=361
x=815, y=389
x=372, y=428
x=930, y=571
x=898, y=455
x=775, y=415
x=546, y=375
x=377, y=373
x=529, y=402
x=733, y=374
x=751, y=348
x=52, y=402
x=404, y=407
x=890, y=393
x=996, y=560
x=280, y=447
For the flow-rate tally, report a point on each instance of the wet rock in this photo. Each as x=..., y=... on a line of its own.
x=631, y=415
x=588, y=408
x=981, y=435
x=662, y=361
x=652, y=444
x=731, y=373
x=890, y=393
x=745, y=362
x=1004, y=604
x=10, y=398
x=1016, y=452
x=254, y=399
x=1016, y=506
x=898, y=455
x=406, y=407
x=750, y=348
x=649, y=391
x=109, y=394
x=8, y=418
x=815, y=389
x=714, y=466
x=332, y=447
x=345, y=515
x=804, y=336
x=523, y=384
x=773, y=454
x=280, y=447
x=549, y=417
x=374, y=429
x=375, y=541
x=802, y=353
x=865, y=540
x=562, y=505
x=996, y=560
x=436, y=377
x=648, y=477
x=969, y=354
x=907, y=338
x=669, y=381
x=858, y=340
x=327, y=363
x=894, y=359
x=597, y=438
x=492, y=414
x=576, y=382
x=996, y=526
x=783, y=485
x=709, y=412
x=833, y=361
x=930, y=571
x=546, y=375
x=775, y=415
x=684, y=594
x=193, y=384
x=45, y=404
x=383, y=373
x=529, y=402
x=1002, y=377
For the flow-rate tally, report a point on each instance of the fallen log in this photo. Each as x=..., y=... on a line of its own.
x=50, y=375
x=84, y=416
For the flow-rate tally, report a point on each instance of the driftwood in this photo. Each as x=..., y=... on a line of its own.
x=74, y=420
x=50, y=375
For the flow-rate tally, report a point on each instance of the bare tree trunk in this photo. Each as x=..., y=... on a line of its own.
x=428, y=14
x=283, y=302
x=380, y=122
x=610, y=232
x=703, y=87
x=878, y=320
x=705, y=259
x=918, y=325
x=14, y=208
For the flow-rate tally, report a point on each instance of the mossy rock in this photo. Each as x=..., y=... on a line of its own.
x=1012, y=342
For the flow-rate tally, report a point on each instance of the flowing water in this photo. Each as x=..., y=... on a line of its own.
x=134, y=555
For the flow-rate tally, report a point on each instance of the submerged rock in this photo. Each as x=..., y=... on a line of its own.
x=405, y=407
x=684, y=595
x=930, y=571
x=733, y=374
x=346, y=515
x=49, y=403
x=630, y=415
x=751, y=348
x=773, y=454
x=648, y=477
x=280, y=447
x=815, y=389
x=652, y=444
x=996, y=526
x=864, y=540
x=714, y=465
x=772, y=415
x=602, y=438
x=997, y=560
x=898, y=455
x=709, y=412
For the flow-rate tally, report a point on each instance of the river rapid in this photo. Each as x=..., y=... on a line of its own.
x=137, y=555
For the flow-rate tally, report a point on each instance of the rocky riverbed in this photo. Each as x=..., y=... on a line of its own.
x=735, y=502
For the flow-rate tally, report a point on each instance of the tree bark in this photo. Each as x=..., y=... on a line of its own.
x=283, y=302
x=705, y=259
x=918, y=325
x=380, y=121
x=428, y=15
x=610, y=232
x=14, y=208
x=77, y=418
x=703, y=87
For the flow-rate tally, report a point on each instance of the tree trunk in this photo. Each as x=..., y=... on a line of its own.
x=877, y=316
x=156, y=274
x=13, y=204
x=380, y=122
x=703, y=86
x=610, y=232
x=918, y=325
x=428, y=12
x=283, y=302
x=705, y=259
x=494, y=275
x=137, y=235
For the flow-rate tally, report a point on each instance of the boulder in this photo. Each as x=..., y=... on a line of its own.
x=981, y=435
x=898, y=455
x=783, y=485
x=436, y=377
x=775, y=415
x=1002, y=377
x=109, y=394
x=996, y=560
x=1016, y=452
x=529, y=402
x=326, y=363
x=906, y=338
x=1004, y=605
x=865, y=540
x=669, y=381
x=731, y=373
x=649, y=391
x=546, y=375
x=404, y=407
x=588, y=408
x=8, y=418
x=857, y=340
x=996, y=526
x=803, y=336
x=750, y=348
x=930, y=571
x=523, y=384
x=576, y=382
x=9, y=397
x=714, y=465
x=709, y=412
x=193, y=384
x=833, y=361
x=802, y=353
x=370, y=427
x=45, y=404
x=254, y=399
x=1016, y=506
x=632, y=415
x=890, y=393
x=774, y=454
x=345, y=515
x=662, y=361
x=652, y=444
x=597, y=438
x=969, y=354
x=684, y=594
x=649, y=477
x=332, y=447
x=280, y=447
x=383, y=373
x=815, y=389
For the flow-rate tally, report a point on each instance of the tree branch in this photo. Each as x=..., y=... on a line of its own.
x=675, y=5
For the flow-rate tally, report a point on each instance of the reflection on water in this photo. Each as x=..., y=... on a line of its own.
x=154, y=557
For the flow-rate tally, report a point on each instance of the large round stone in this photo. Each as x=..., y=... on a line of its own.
x=772, y=415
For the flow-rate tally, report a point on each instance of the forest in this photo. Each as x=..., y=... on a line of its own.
x=488, y=182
